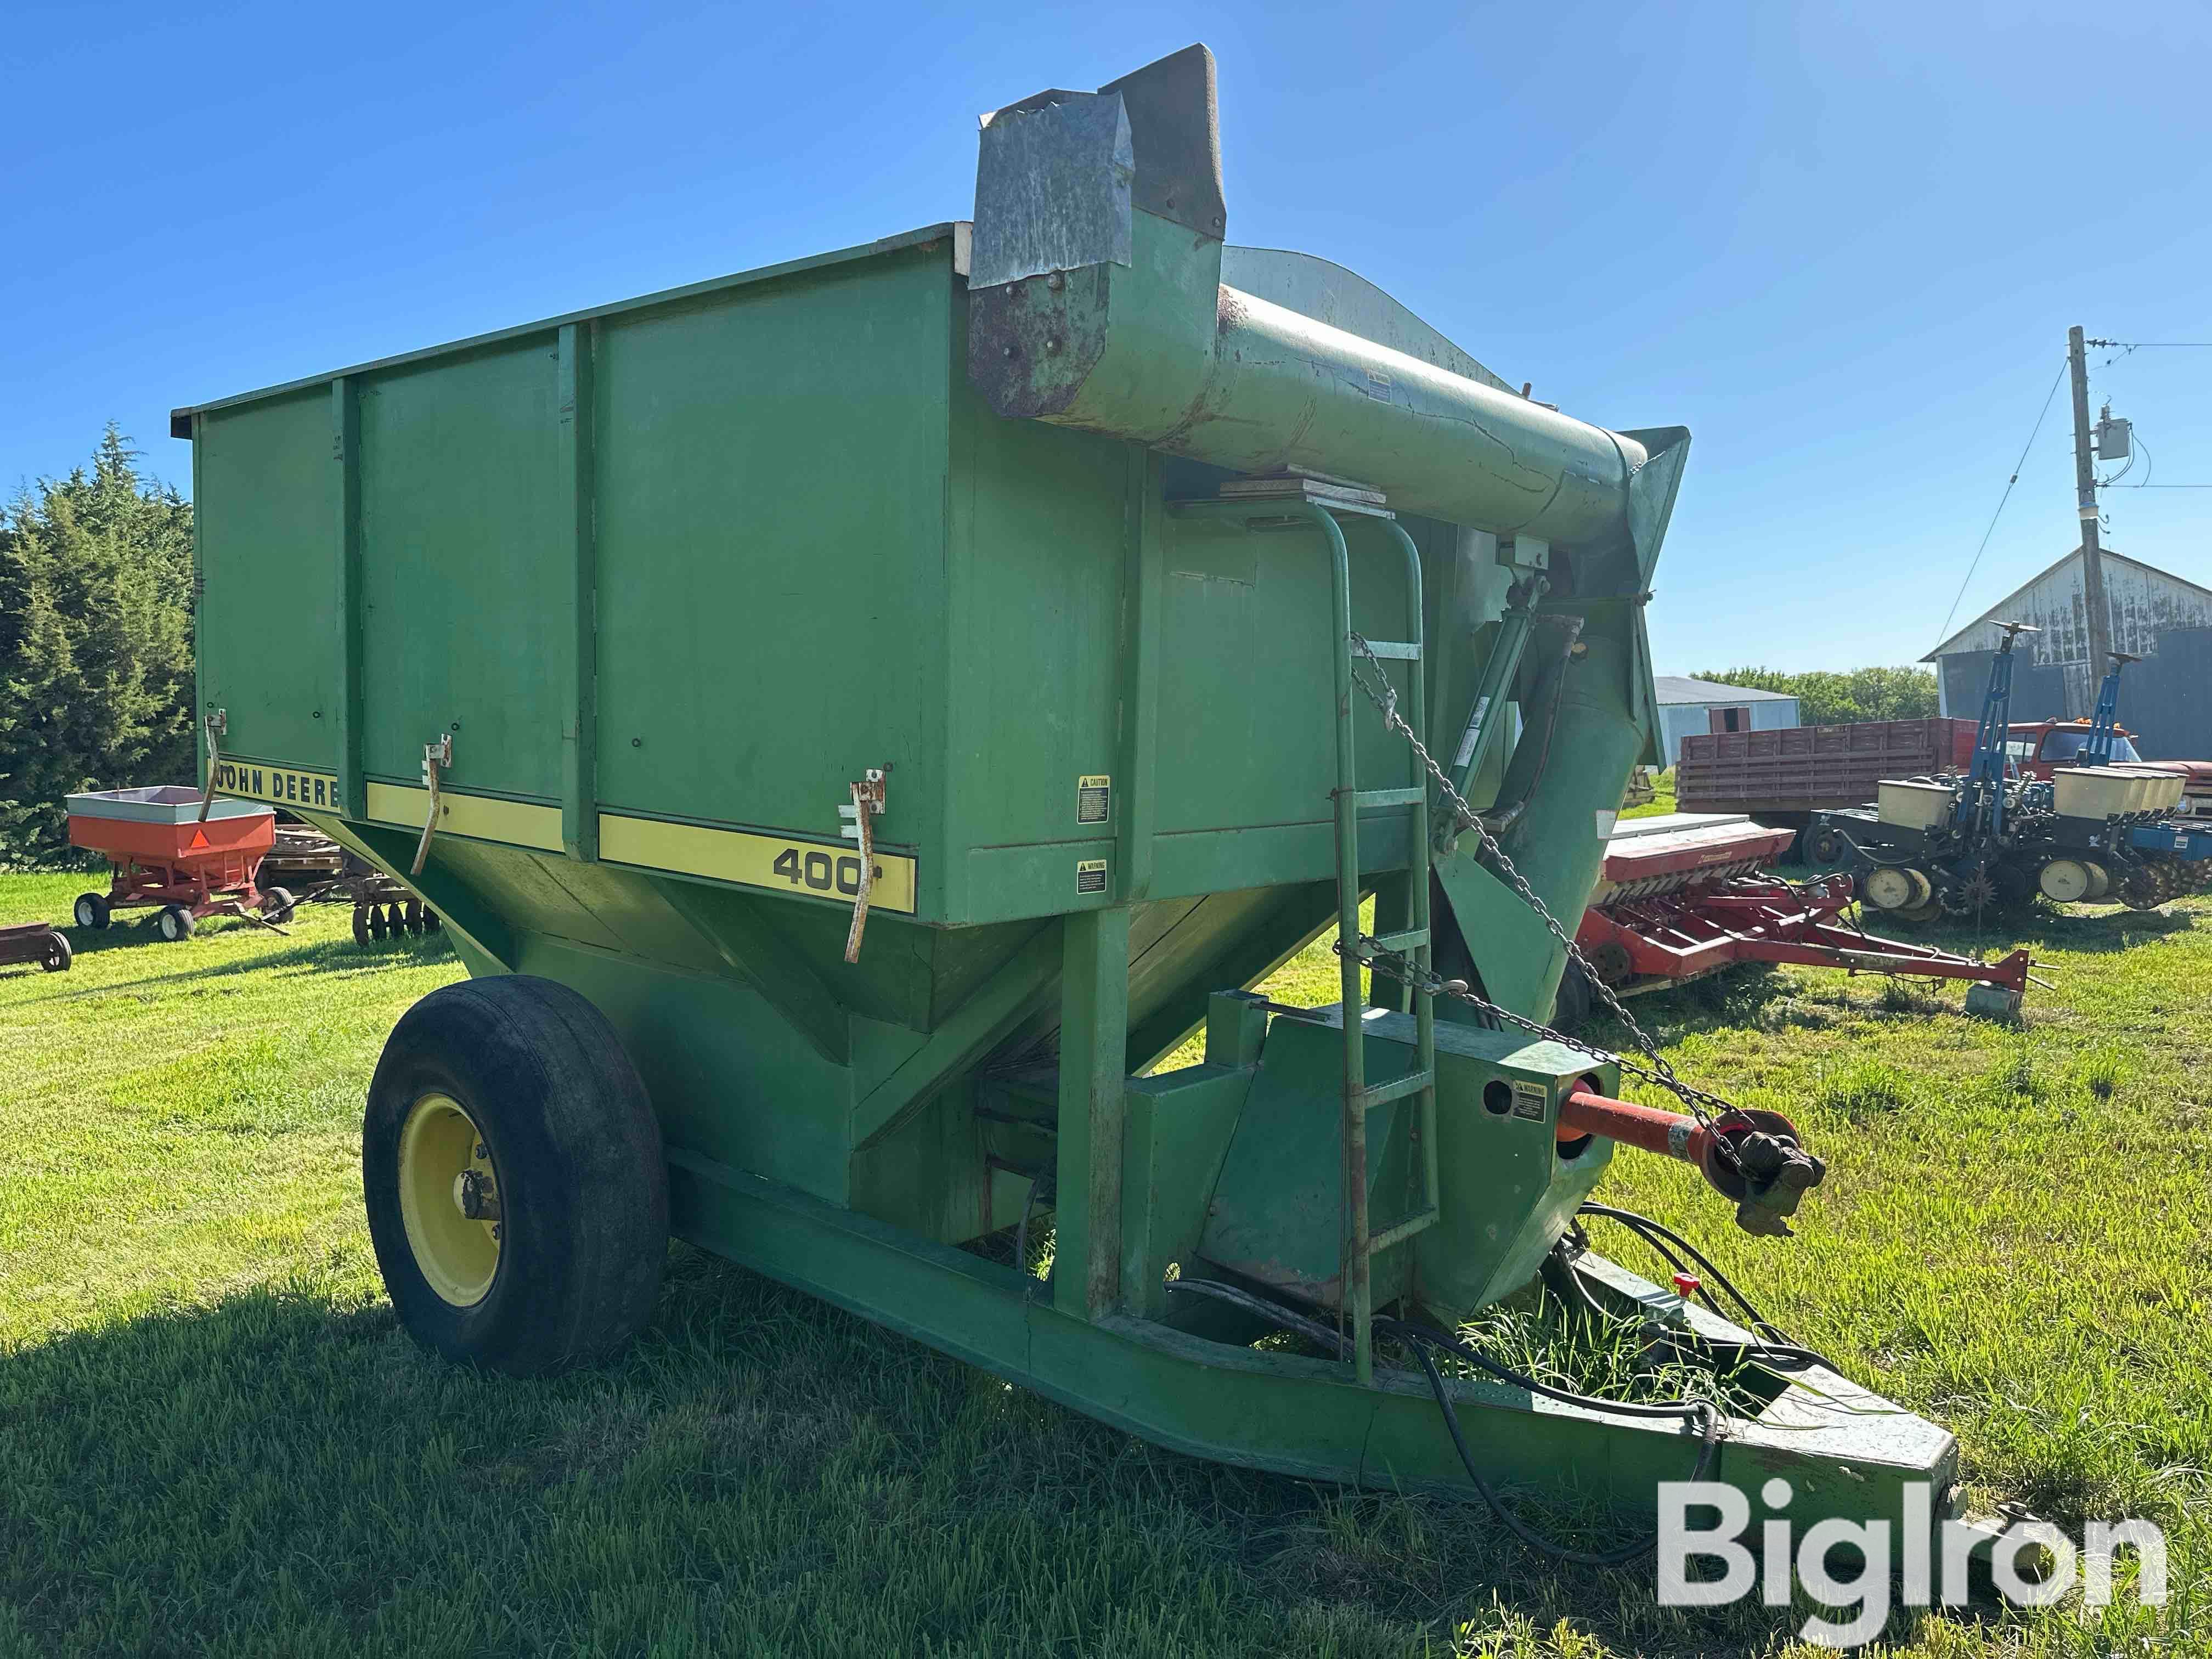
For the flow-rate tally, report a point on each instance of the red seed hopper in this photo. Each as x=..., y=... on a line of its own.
x=166, y=853
x=1681, y=896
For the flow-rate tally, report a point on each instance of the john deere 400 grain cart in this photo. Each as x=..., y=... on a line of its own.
x=856, y=717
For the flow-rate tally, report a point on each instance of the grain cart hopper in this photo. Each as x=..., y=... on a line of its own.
x=857, y=717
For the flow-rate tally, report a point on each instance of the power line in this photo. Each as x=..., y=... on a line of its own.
x=2128, y=348
x=1944, y=633
x=2153, y=486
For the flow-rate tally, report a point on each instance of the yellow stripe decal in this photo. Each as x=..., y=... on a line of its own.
x=780, y=864
x=288, y=786
x=774, y=862
x=517, y=822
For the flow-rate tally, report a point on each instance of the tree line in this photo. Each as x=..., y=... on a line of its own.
x=95, y=644
x=1864, y=694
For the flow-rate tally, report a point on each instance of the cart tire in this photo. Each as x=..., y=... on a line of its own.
x=175, y=923
x=277, y=905
x=1826, y=847
x=58, y=954
x=361, y=925
x=1570, y=1006
x=92, y=910
x=514, y=1090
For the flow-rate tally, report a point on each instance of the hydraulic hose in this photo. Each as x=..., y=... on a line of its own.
x=1776, y=1345
x=1701, y=1411
x=1420, y=1338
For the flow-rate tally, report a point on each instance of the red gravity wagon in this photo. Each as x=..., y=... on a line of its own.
x=174, y=848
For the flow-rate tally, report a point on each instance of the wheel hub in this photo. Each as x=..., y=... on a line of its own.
x=449, y=1201
x=474, y=1196
x=1613, y=962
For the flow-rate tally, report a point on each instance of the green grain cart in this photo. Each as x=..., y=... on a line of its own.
x=859, y=717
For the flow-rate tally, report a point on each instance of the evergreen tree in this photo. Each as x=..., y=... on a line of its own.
x=95, y=644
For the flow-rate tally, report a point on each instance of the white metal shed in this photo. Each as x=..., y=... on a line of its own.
x=1686, y=705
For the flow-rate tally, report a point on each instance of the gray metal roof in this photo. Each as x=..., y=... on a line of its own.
x=1678, y=688
x=2015, y=603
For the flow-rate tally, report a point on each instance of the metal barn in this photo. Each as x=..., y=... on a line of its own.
x=2165, y=699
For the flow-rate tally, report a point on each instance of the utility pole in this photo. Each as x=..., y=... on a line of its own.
x=2085, y=491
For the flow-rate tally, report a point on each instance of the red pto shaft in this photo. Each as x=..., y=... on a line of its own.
x=1750, y=1157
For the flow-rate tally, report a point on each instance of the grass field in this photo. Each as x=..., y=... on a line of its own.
x=213, y=1438
x=1662, y=801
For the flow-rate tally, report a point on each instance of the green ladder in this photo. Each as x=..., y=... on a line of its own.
x=1322, y=508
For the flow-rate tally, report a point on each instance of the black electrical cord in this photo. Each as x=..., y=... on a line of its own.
x=1565, y=1252
x=1697, y=1350
x=1427, y=1336
x=1420, y=1338
x=1654, y=1233
x=1701, y=1411
x=1774, y=1345
x=1674, y=1264
x=1273, y=1312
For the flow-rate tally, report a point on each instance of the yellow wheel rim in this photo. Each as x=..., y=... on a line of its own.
x=449, y=1200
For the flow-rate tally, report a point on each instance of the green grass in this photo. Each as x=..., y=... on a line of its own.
x=1663, y=801
x=213, y=1438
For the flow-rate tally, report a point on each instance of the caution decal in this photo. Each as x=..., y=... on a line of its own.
x=1094, y=800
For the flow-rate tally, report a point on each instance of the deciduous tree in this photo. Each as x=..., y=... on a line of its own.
x=1830, y=699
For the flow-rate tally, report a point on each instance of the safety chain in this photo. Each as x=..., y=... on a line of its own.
x=1659, y=1072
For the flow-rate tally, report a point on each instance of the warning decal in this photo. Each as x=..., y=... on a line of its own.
x=1093, y=800
x=1091, y=875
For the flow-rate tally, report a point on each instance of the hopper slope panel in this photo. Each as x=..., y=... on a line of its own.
x=770, y=487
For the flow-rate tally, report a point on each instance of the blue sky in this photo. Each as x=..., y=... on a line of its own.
x=1842, y=244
